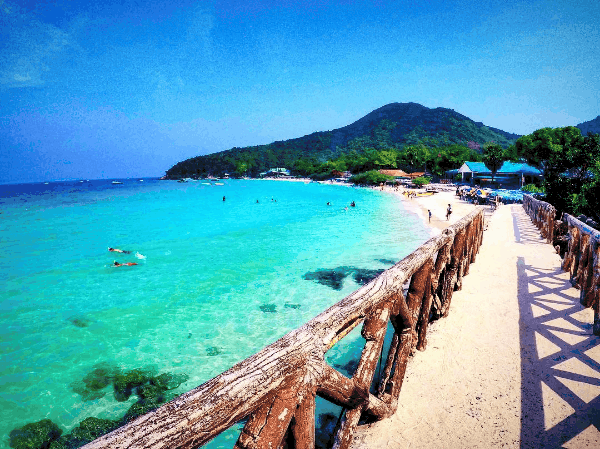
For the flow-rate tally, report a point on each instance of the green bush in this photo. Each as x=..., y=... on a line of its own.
x=421, y=181
x=533, y=188
x=372, y=177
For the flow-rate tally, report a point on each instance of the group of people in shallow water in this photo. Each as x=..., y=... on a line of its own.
x=352, y=204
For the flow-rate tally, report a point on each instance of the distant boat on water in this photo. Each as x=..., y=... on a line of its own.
x=117, y=182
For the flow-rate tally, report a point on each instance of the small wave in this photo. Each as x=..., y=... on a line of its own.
x=140, y=256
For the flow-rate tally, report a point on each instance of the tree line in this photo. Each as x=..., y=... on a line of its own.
x=569, y=162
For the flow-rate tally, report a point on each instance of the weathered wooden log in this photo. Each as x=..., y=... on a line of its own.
x=542, y=215
x=591, y=295
x=469, y=248
x=425, y=311
x=450, y=275
x=551, y=218
x=583, y=263
x=342, y=391
x=441, y=262
x=266, y=427
x=465, y=259
x=373, y=332
x=420, y=287
x=597, y=318
x=303, y=425
x=402, y=354
x=389, y=363
x=570, y=260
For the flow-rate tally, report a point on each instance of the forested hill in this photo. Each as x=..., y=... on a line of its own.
x=591, y=126
x=395, y=125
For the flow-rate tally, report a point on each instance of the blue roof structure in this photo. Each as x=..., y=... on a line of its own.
x=478, y=167
x=518, y=167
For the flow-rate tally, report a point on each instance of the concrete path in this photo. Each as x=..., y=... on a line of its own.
x=515, y=364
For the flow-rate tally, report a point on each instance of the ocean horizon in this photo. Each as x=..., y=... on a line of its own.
x=221, y=272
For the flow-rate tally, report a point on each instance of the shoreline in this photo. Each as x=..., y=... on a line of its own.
x=437, y=203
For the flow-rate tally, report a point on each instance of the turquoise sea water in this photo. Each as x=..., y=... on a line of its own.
x=220, y=279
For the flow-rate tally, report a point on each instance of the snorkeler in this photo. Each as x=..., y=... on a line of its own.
x=126, y=264
x=117, y=250
x=353, y=204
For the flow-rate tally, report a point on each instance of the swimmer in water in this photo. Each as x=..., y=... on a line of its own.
x=353, y=204
x=117, y=250
x=127, y=264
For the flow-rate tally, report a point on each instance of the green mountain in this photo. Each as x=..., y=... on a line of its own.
x=591, y=126
x=395, y=125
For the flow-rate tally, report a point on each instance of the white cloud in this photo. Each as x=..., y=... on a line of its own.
x=30, y=49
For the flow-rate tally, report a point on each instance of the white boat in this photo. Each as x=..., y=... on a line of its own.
x=117, y=182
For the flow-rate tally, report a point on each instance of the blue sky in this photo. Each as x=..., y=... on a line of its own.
x=127, y=89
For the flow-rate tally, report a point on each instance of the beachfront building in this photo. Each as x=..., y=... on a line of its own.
x=474, y=172
x=510, y=175
x=518, y=174
x=397, y=174
x=275, y=173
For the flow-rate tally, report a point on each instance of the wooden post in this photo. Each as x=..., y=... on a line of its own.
x=402, y=354
x=573, y=248
x=583, y=261
x=597, y=318
x=373, y=332
x=303, y=425
x=267, y=426
x=592, y=293
x=449, y=281
x=389, y=363
x=337, y=388
x=441, y=262
x=419, y=289
x=425, y=310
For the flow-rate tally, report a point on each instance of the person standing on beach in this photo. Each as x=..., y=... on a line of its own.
x=448, y=212
x=428, y=210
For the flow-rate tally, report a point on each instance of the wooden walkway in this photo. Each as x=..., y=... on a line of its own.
x=515, y=364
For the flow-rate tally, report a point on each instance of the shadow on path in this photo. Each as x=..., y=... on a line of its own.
x=560, y=356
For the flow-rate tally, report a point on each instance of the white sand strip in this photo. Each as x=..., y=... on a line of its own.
x=465, y=390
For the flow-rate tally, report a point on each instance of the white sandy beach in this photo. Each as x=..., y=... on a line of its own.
x=515, y=364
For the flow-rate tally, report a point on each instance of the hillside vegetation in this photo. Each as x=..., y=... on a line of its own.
x=396, y=126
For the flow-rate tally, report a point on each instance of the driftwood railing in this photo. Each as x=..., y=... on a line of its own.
x=582, y=257
x=542, y=214
x=275, y=389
